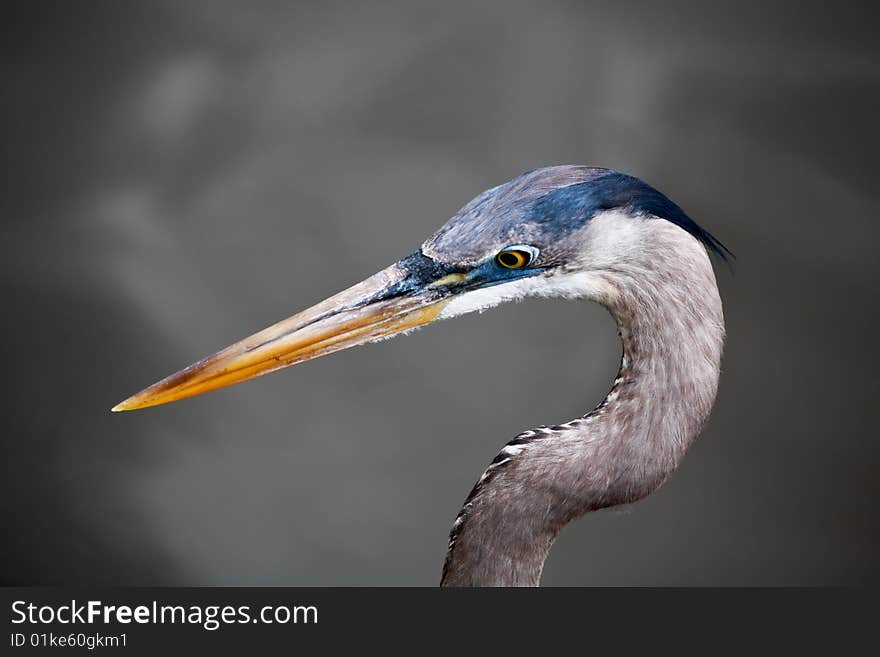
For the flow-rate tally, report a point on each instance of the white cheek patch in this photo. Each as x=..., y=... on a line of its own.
x=573, y=285
x=487, y=297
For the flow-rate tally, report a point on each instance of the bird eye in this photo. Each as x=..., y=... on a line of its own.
x=516, y=257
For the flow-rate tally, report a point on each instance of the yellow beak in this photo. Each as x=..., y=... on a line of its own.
x=394, y=300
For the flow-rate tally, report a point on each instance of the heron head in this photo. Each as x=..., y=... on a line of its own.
x=545, y=233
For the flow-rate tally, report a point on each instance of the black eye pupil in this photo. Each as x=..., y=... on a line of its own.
x=510, y=259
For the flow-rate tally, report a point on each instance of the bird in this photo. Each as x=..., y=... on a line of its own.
x=569, y=231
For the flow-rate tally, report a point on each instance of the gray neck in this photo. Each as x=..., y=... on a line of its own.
x=672, y=329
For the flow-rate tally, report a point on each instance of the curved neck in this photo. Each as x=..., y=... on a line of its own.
x=672, y=329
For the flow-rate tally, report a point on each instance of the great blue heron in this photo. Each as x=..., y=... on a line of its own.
x=563, y=231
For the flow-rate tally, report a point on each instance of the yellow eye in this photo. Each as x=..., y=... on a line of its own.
x=513, y=258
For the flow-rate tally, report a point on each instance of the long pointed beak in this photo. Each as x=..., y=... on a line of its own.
x=410, y=293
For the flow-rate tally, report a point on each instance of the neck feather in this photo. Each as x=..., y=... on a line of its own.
x=672, y=329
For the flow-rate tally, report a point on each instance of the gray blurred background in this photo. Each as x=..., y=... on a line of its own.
x=180, y=174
